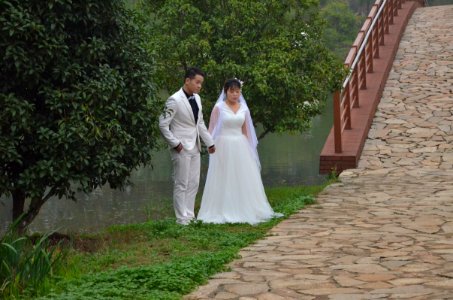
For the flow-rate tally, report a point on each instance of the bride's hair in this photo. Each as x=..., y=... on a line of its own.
x=231, y=83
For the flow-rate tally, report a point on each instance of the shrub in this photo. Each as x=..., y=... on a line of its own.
x=26, y=266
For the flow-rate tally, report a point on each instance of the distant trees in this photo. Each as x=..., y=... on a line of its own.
x=360, y=7
x=342, y=27
x=77, y=102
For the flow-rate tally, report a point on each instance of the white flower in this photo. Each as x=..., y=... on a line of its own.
x=240, y=81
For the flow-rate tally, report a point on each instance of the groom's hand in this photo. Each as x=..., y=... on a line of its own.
x=211, y=149
x=178, y=148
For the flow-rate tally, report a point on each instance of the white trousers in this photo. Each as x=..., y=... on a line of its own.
x=186, y=178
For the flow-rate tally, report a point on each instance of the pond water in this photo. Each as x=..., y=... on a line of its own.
x=286, y=160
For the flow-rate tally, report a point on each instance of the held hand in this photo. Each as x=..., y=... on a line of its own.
x=178, y=148
x=211, y=149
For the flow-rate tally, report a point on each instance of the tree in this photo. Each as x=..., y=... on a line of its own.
x=77, y=104
x=342, y=27
x=274, y=46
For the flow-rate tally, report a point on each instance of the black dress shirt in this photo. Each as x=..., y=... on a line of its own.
x=194, y=105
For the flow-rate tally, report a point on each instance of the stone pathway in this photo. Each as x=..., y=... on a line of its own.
x=385, y=231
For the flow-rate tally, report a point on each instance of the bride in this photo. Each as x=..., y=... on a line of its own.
x=234, y=192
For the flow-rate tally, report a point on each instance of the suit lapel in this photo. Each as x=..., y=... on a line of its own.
x=197, y=99
x=187, y=105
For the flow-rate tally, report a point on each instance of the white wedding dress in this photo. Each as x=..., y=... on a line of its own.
x=234, y=192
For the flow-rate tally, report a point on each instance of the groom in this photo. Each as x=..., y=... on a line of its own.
x=181, y=125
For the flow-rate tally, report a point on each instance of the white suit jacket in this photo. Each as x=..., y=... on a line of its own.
x=177, y=123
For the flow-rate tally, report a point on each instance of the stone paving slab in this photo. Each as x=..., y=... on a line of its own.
x=385, y=231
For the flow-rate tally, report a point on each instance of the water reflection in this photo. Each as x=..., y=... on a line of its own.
x=285, y=159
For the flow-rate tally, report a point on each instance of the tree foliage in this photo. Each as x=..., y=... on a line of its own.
x=77, y=104
x=274, y=46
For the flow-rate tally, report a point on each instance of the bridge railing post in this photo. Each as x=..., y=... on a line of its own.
x=391, y=12
x=337, y=122
x=346, y=115
x=355, y=83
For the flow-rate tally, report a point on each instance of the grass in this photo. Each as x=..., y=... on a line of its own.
x=161, y=259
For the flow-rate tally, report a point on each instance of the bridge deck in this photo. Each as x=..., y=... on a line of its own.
x=385, y=231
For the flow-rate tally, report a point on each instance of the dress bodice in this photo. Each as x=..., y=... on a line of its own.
x=232, y=122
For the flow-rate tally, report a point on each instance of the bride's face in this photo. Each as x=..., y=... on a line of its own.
x=233, y=94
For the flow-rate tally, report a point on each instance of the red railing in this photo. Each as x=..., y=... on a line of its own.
x=359, y=61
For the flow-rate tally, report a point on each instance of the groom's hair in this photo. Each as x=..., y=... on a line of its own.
x=192, y=72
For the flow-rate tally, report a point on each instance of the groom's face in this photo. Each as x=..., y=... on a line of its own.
x=193, y=85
